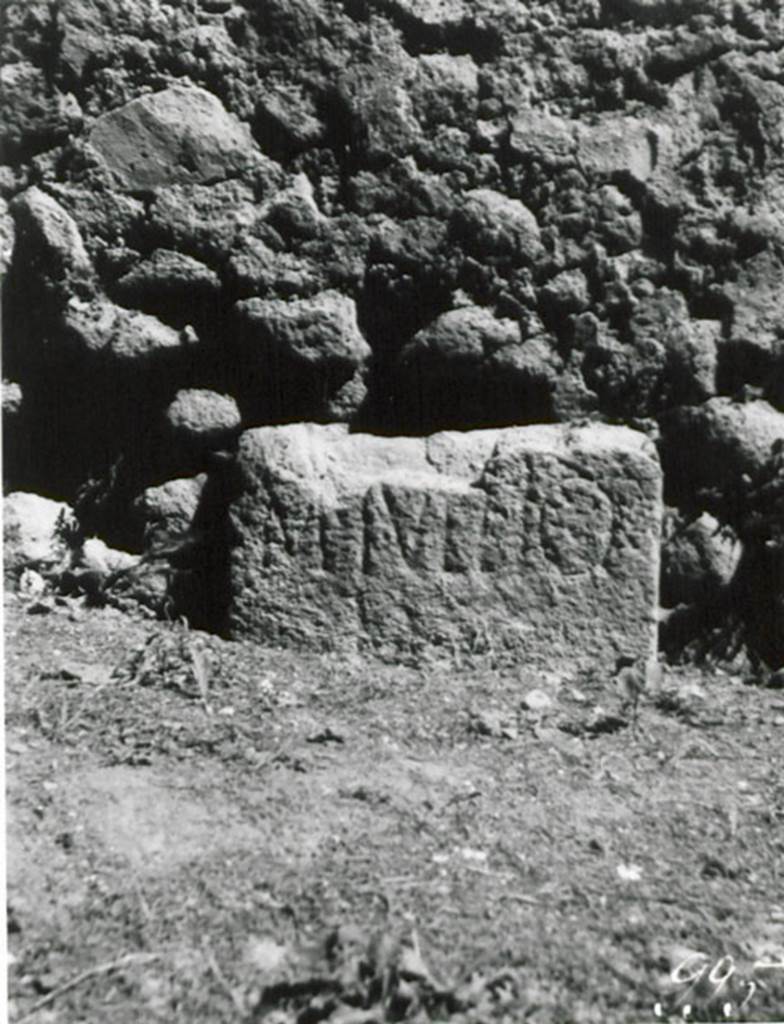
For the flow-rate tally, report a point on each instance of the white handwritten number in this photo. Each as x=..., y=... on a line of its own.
x=716, y=978
x=680, y=978
x=752, y=987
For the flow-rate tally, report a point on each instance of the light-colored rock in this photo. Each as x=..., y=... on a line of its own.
x=542, y=540
x=545, y=138
x=204, y=417
x=538, y=701
x=49, y=238
x=12, y=398
x=469, y=366
x=293, y=211
x=181, y=135
x=658, y=12
x=169, y=509
x=617, y=145
x=433, y=13
x=202, y=220
x=458, y=74
x=470, y=333
x=291, y=114
x=97, y=556
x=493, y=225
x=255, y=269
x=317, y=331
x=756, y=309
x=567, y=292
x=119, y=335
x=699, y=557
x=712, y=444
x=167, y=275
x=7, y=237
x=31, y=534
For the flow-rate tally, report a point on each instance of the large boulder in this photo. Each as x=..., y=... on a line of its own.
x=539, y=544
x=181, y=135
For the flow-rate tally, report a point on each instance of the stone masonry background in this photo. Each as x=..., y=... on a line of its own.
x=404, y=216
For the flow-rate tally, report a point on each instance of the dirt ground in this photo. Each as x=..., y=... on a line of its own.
x=210, y=831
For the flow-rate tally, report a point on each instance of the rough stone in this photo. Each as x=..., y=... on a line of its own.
x=181, y=135
x=121, y=337
x=657, y=12
x=699, y=557
x=167, y=277
x=321, y=331
x=755, y=334
x=540, y=542
x=96, y=556
x=293, y=211
x=545, y=138
x=12, y=398
x=726, y=439
x=168, y=510
x=495, y=226
x=468, y=366
x=617, y=146
x=203, y=417
x=204, y=221
x=30, y=532
x=49, y=241
x=288, y=120
x=7, y=237
x=256, y=270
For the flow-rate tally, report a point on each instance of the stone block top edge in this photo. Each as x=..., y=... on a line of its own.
x=557, y=438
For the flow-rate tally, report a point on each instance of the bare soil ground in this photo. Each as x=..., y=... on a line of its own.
x=301, y=839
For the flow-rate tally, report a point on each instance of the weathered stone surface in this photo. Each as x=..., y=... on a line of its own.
x=11, y=398
x=699, y=557
x=288, y=120
x=30, y=535
x=665, y=359
x=317, y=332
x=656, y=12
x=617, y=146
x=49, y=240
x=494, y=226
x=167, y=277
x=203, y=417
x=540, y=543
x=293, y=211
x=181, y=135
x=96, y=556
x=169, y=509
x=204, y=221
x=7, y=236
x=468, y=366
x=120, y=336
x=255, y=270
x=710, y=445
